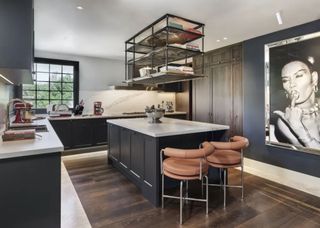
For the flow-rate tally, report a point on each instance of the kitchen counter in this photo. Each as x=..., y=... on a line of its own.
x=49, y=142
x=110, y=115
x=168, y=127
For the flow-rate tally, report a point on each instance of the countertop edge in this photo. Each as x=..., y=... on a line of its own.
x=111, y=116
x=50, y=136
x=212, y=127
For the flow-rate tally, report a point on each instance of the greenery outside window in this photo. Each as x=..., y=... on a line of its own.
x=55, y=82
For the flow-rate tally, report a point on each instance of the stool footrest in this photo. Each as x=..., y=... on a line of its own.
x=184, y=198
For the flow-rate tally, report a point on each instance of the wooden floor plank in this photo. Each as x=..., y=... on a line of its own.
x=111, y=200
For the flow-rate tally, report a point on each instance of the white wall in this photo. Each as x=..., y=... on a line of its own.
x=95, y=73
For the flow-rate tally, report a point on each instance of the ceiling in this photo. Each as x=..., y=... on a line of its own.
x=100, y=29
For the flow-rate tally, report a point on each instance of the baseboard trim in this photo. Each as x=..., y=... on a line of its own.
x=293, y=179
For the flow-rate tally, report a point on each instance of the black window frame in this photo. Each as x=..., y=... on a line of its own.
x=75, y=65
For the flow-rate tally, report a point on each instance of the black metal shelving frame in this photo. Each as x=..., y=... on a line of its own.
x=156, y=48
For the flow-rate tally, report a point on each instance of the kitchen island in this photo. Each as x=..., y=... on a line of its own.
x=135, y=144
x=30, y=175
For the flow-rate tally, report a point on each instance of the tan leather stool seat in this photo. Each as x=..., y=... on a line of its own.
x=184, y=167
x=225, y=157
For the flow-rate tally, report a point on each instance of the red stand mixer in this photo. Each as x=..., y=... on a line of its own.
x=23, y=112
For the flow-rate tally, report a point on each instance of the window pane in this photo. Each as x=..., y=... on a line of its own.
x=67, y=86
x=42, y=76
x=55, y=102
x=68, y=77
x=29, y=87
x=55, y=68
x=43, y=95
x=68, y=102
x=55, y=77
x=42, y=67
x=68, y=69
x=29, y=94
x=42, y=103
x=67, y=95
x=55, y=95
x=42, y=85
x=55, y=86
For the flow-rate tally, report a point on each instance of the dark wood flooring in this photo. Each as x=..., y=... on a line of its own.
x=110, y=200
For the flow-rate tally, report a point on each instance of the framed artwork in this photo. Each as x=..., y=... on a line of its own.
x=292, y=96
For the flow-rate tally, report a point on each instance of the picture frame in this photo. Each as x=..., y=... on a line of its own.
x=292, y=99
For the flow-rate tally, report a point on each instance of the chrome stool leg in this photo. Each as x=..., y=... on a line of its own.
x=162, y=198
x=224, y=187
x=242, y=182
x=207, y=195
x=181, y=201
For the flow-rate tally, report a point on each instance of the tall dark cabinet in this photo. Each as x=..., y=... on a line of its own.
x=17, y=40
x=219, y=97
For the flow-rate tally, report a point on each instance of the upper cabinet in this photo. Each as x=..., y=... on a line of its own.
x=16, y=40
x=162, y=52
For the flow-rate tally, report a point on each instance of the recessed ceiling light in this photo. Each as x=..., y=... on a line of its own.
x=279, y=18
x=79, y=7
x=225, y=38
x=218, y=40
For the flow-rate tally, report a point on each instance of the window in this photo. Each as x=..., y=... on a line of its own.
x=55, y=82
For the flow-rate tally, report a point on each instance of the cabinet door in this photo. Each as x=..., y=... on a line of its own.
x=237, y=98
x=114, y=141
x=63, y=130
x=16, y=25
x=151, y=161
x=137, y=154
x=125, y=147
x=222, y=100
x=82, y=133
x=100, y=131
x=201, y=97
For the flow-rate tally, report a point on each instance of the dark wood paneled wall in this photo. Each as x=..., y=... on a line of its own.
x=219, y=97
x=184, y=99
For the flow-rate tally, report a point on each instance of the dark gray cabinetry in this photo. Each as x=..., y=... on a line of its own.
x=30, y=192
x=137, y=155
x=16, y=39
x=63, y=129
x=143, y=154
x=82, y=133
x=114, y=142
x=125, y=147
x=218, y=98
x=100, y=131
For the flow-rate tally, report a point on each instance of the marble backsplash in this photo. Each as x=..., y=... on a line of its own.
x=119, y=101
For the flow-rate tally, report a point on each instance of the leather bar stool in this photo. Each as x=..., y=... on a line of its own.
x=228, y=155
x=185, y=165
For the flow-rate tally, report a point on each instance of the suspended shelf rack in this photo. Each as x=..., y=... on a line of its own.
x=169, y=40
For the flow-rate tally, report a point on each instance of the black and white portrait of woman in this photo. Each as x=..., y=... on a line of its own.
x=294, y=93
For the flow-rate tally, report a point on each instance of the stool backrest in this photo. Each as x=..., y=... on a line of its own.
x=236, y=143
x=207, y=149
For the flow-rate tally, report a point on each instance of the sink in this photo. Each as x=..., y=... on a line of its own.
x=38, y=128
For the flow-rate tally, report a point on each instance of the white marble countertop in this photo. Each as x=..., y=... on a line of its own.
x=168, y=127
x=110, y=115
x=49, y=142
